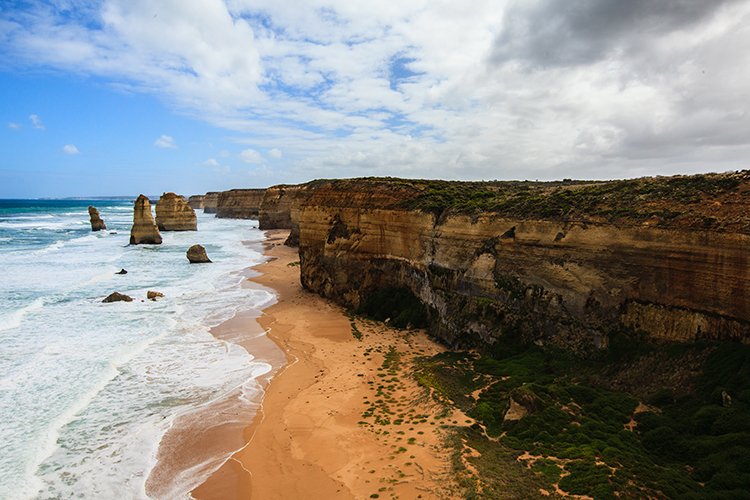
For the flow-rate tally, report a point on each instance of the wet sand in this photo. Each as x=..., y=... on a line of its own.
x=341, y=419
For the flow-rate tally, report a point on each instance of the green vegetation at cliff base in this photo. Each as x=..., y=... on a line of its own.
x=575, y=429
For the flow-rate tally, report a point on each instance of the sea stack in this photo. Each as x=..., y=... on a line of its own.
x=210, y=202
x=196, y=254
x=196, y=201
x=173, y=213
x=144, y=231
x=97, y=224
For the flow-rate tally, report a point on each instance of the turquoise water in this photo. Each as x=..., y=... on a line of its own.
x=87, y=389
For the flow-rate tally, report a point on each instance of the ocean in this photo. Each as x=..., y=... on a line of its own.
x=87, y=389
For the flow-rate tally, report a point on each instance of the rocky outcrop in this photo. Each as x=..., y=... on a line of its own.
x=196, y=201
x=555, y=263
x=117, y=297
x=196, y=254
x=275, y=211
x=144, y=231
x=154, y=295
x=210, y=202
x=97, y=224
x=239, y=203
x=173, y=213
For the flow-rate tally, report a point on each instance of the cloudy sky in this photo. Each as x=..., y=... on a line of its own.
x=123, y=96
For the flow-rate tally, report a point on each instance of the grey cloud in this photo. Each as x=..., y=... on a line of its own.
x=552, y=33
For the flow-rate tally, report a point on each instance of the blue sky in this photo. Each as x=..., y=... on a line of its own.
x=131, y=96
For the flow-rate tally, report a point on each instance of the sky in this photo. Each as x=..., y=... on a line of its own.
x=118, y=97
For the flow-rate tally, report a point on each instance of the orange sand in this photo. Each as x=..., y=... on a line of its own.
x=310, y=438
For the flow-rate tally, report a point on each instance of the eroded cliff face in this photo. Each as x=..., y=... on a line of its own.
x=196, y=201
x=144, y=230
x=173, y=213
x=239, y=203
x=567, y=280
x=210, y=202
x=275, y=210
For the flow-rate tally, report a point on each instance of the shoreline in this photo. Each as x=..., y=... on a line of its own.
x=342, y=418
x=201, y=440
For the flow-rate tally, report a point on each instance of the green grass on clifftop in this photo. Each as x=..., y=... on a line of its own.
x=636, y=198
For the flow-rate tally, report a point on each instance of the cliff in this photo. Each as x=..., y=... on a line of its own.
x=174, y=214
x=196, y=201
x=97, y=224
x=276, y=207
x=239, y=203
x=210, y=202
x=144, y=231
x=561, y=263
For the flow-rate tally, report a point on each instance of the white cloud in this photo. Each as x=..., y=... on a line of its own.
x=70, y=149
x=275, y=153
x=14, y=125
x=165, y=142
x=251, y=156
x=217, y=167
x=36, y=122
x=506, y=89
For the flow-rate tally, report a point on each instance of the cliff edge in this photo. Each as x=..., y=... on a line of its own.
x=565, y=263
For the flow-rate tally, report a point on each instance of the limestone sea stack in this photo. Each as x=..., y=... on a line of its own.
x=196, y=201
x=173, y=213
x=210, y=202
x=239, y=203
x=196, y=254
x=97, y=224
x=144, y=231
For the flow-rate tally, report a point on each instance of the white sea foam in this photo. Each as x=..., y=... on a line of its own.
x=15, y=317
x=87, y=389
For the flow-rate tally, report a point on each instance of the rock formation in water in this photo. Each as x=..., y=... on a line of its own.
x=152, y=295
x=117, y=297
x=196, y=254
x=210, y=202
x=561, y=263
x=275, y=211
x=121, y=271
x=97, y=224
x=173, y=213
x=196, y=201
x=239, y=203
x=144, y=231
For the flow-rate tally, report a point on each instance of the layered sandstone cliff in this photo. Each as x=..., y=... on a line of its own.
x=210, y=202
x=97, y=224
x=144, y=231
x=275, y=211
x=239, y=203
x=196, y=201
x=173, y=213
x=555, y=263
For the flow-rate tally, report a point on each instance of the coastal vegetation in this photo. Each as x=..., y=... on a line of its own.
x=638, y=199
x=591, y=428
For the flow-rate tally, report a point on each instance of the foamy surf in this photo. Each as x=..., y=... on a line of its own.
x=88, y=389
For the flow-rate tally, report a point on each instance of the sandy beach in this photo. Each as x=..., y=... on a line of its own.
x=342, y=419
